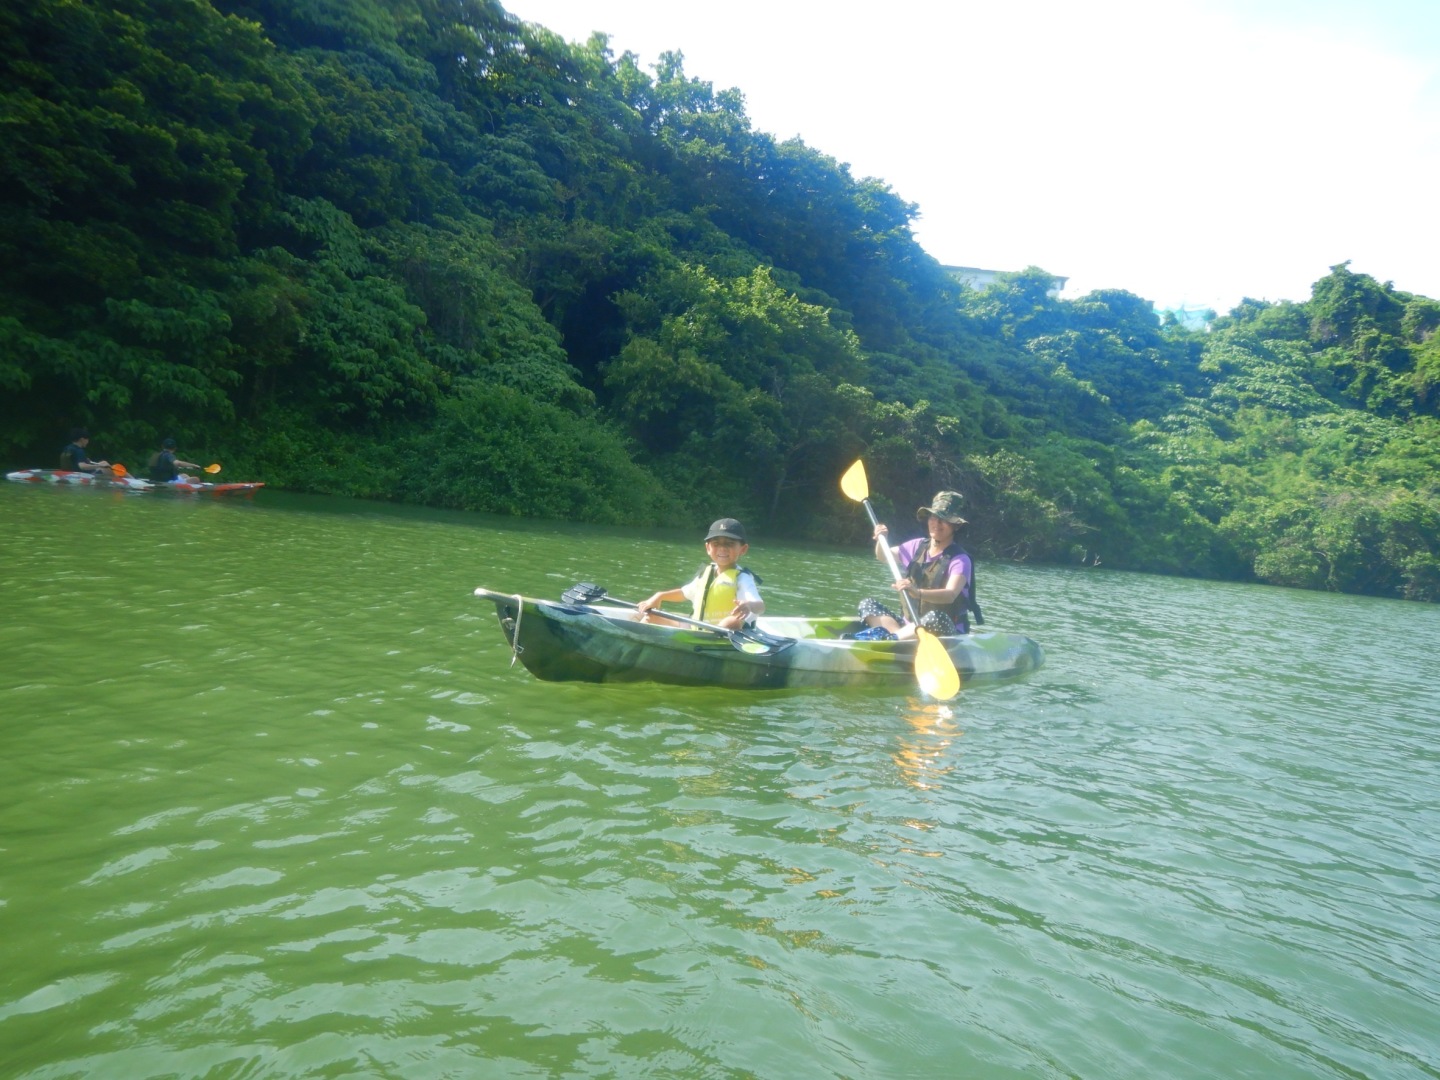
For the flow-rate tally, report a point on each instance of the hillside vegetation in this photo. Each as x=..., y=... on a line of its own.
x=417, y=250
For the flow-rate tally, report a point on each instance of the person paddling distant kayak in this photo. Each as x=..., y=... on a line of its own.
x=165, y=466
x=74, y=458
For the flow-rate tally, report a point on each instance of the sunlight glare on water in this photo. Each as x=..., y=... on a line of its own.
x=273, y=802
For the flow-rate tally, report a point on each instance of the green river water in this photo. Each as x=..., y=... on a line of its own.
x=273, y=803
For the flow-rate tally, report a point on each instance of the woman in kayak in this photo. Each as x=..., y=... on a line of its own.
x=723, y=593
x=938, y=573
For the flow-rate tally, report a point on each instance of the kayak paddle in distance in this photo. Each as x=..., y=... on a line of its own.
x=934, y=670
x=121, y=471
x=756, y=642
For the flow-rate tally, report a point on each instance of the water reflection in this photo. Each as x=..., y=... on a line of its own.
x=921, y=754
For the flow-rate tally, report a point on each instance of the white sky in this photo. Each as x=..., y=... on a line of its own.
x=1191, y=151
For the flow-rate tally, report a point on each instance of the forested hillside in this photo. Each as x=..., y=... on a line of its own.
x=417, y=250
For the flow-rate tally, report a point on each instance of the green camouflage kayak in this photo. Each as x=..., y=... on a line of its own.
x=566, y=641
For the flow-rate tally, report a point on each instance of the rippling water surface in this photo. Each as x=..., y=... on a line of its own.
x=274, y=804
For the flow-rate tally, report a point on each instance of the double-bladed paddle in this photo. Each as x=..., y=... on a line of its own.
x=756, y=642
x=121, y=471
x=934, y=670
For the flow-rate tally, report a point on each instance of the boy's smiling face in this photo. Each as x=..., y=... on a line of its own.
x=724, y=552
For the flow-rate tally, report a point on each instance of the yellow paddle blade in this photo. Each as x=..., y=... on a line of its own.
x=934, y=670
x=854, y=483
x=212, y=469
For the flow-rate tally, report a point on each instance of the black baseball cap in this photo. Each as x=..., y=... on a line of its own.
x=727, y=527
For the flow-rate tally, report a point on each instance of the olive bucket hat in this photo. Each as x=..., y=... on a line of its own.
x=945, y=506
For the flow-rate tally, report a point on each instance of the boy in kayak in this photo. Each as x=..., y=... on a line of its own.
x=74, y=458
x=723, y=593
x=165, y=466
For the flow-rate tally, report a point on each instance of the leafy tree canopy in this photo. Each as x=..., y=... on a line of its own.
x=421, y=250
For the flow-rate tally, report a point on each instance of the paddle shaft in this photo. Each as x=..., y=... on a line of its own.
x=677, y=618
x=894, y=566
x=754, y=636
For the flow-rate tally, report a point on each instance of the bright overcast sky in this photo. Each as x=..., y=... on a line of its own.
x=1191, y=151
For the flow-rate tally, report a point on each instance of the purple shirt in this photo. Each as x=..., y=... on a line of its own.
x=960, y=564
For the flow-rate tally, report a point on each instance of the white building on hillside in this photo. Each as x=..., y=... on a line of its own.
x=977, y=278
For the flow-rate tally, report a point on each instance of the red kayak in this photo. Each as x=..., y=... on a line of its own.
x=126, y=483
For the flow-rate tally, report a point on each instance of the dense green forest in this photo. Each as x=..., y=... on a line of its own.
x=418, y=250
